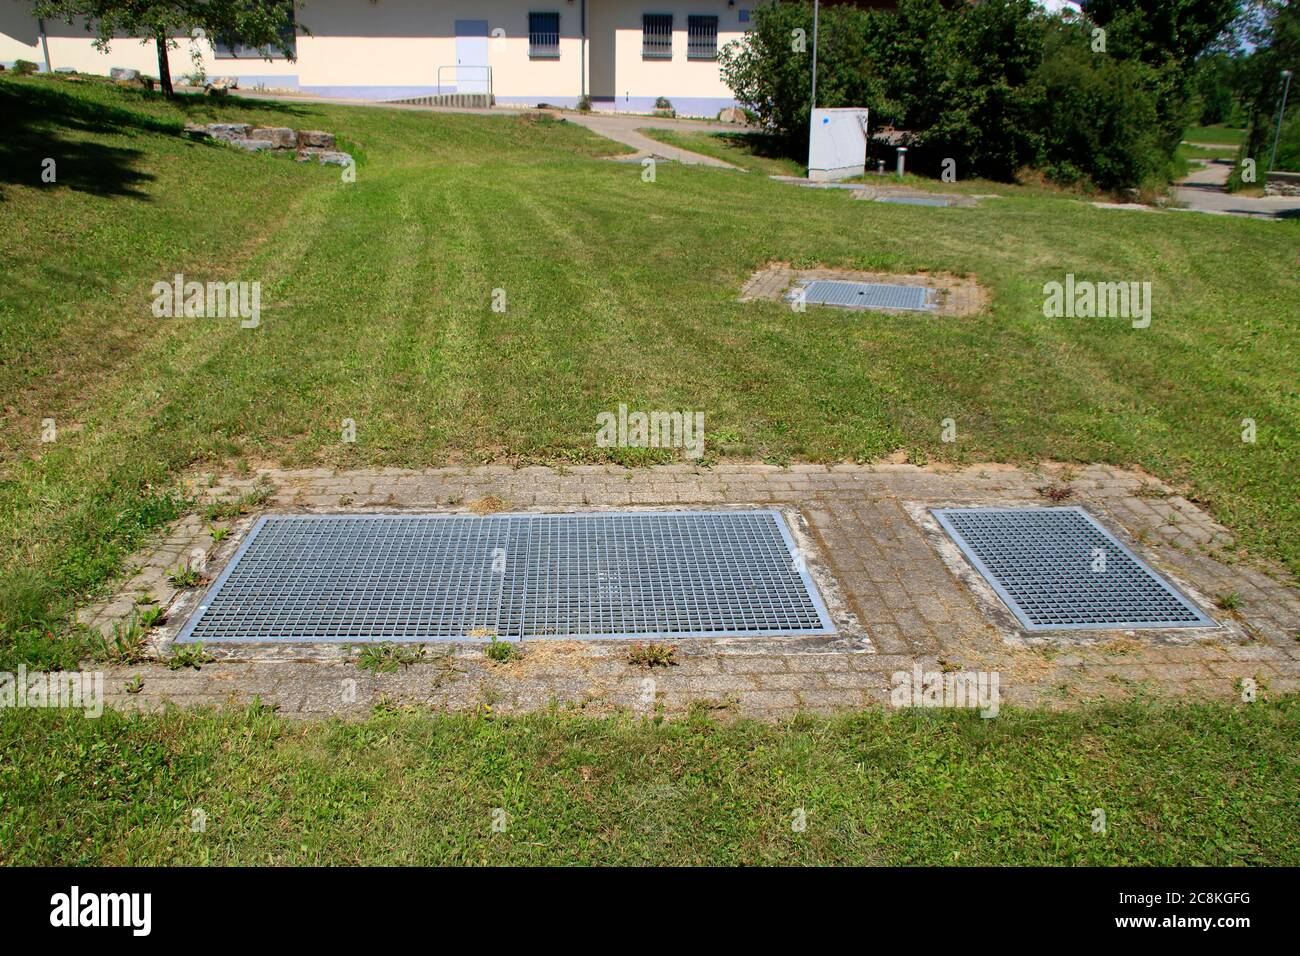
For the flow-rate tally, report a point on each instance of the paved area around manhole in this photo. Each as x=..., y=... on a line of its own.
x=901, y=594
x=958, y=295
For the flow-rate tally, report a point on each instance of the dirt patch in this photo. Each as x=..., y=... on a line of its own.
x=489, y=505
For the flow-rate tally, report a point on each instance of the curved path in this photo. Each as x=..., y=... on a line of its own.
x=1203, y=191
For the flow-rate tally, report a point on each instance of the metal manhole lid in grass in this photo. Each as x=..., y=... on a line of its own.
x=866, y=295
x=379, y=577
x=915, y=200
x=1059, y=569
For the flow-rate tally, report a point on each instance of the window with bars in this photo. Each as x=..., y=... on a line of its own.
x=701, y=38
x=544, y=35
x=657, y=36
x=288, y=46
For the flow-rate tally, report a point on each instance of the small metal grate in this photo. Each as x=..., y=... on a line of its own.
x=1058, y=569
x=866, y=295
x=339, y=578
x=914, y=201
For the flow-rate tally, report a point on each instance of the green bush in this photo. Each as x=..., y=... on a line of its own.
x=1288, y=147
x=1100, y=117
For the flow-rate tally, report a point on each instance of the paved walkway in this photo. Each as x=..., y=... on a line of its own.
x=1202, y=190
x=901, y=595
x=623, y=129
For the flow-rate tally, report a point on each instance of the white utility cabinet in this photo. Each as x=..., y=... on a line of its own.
x=837, y=144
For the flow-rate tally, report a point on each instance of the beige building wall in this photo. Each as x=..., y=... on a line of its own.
x=395, y=48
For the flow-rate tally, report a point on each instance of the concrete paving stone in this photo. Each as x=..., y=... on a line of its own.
x=816, y=663
x=1240, y=668
x=795, y=682
x=881, y=663
x=768, y=700
x=1177, y=672
x=886, y=570
x=709, y=683
x=857, y=679
x=1253, y=652
x=753, y=665
x=834, y=700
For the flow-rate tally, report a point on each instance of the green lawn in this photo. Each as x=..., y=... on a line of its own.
x=750, y=151
x=1213, y=785
x=1226, y=135
x=377, y=306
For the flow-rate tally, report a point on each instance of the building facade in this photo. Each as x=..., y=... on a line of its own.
x=623, y=54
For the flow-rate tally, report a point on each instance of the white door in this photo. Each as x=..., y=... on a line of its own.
x=471, y=56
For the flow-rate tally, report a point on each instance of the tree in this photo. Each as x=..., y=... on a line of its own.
x=1158, y=31
x=1167, y=35
x=260, y=24
x=1275, y=34
x=770, y=70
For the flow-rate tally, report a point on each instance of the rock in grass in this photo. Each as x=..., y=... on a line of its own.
x=315, y=138
x=334, y=158
x=282, y=136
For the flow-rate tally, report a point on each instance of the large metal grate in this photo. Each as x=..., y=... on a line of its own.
x=866, y=295
x=1058, y=569
x=341, y=578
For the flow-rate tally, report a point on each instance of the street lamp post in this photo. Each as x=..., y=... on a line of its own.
x=1272, y=160
x=816, y=4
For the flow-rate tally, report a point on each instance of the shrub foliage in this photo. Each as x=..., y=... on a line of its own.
x=996, y=86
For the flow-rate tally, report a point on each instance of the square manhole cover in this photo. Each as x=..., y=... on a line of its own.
x=866, y=295
x=1058, y=569
x=914, y=200
x=340, y=578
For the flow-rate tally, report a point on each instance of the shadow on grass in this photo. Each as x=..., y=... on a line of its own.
x=764, y=145
x=36, y=119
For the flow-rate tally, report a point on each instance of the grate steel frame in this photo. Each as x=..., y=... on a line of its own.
x=815, y=612
x=866, y=295
x=1193, y=616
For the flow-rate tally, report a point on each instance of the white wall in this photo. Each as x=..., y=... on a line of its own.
x=393, y=48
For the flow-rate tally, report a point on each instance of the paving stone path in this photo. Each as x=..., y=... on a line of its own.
x=902, y=596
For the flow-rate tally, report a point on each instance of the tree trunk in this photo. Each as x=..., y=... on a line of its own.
x=164, y=69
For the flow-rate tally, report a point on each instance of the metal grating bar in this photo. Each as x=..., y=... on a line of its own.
x=867, y=295
x=657, y=36
x=339, y=578
x=1058, y=569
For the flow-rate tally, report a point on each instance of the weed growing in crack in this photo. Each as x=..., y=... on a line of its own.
x=387, y=657
x=653, y=654
x=501, y=652
x=1228, y=601
x=1055, y=492
x=126, y=645
x=190, y=655
x=185, y=576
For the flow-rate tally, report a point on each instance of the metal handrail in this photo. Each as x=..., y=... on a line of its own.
x=467, y=66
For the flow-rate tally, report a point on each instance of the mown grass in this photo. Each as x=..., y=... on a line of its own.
x=1185, y=152
x=754, y=152
x=1227, y=135
x=1179, y=785
x=377, y=306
